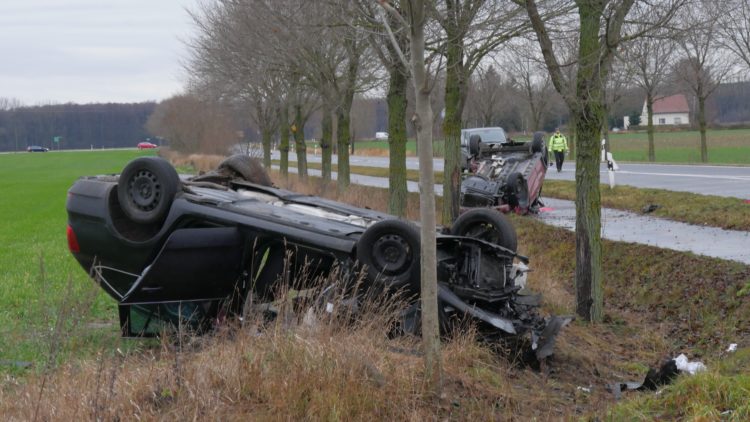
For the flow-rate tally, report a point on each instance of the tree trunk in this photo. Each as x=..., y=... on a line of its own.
x=650, y=126
x=423, y=123
x=344, y=138
x=326, y=141
x=299, y=142
x=452, y=128
x=396, y=99
x=589, y=116
x=604, y=135
x=344, y=112
x=702, y=127
x=573, y=132
x=284, y=143
x=266, y=135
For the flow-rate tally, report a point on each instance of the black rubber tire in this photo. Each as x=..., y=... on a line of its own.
x=519, y=190
x=390, y=249
x=537, y=143
x=248, y=168
x=486, y=224
x=475, y=142
x=146, y=189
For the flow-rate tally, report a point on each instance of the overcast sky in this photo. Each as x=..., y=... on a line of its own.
x=92, y=50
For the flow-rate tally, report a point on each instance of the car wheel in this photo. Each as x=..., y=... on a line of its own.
x=486, y=224
x=537, y=143
x=248, y=168
x=390, y=250
x=146, y=189
x=517, y=190
x=475, y=142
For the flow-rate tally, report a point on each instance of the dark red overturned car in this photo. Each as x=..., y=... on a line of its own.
x=174, y=250
x=503, y=174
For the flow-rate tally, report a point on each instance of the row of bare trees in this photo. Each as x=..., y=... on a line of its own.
x=280, y=60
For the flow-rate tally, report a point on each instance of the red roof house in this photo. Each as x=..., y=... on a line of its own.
x=672, y=110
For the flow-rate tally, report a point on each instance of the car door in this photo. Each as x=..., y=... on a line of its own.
x=193, y=264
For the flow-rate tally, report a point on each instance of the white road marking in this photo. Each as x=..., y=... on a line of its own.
x=702, y=176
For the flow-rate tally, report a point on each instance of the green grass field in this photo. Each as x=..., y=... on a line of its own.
x=726, y=146
x=729, y=146
x=35, y=265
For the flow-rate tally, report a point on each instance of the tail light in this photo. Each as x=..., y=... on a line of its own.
x=73, y=241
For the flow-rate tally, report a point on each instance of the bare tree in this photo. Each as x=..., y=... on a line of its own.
x=528, y=75
x=487, y=98
x=411, y=18
x=193, y=124
x=379, y=32
x=600, y=32
x=613, y=94
x=650, y=60
x=704, y=63
x=734, y=26
x=473, y=29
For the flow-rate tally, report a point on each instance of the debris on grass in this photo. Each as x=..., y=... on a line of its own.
x=650, y=208
x=684, y=365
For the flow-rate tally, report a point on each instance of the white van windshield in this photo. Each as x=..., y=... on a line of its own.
x=488, y=134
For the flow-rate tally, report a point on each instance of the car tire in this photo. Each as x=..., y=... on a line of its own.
x=146, y=189
x=537, y=143
x=248, y=168
x=486, y=224
x=390, y=250
x=475, y=143
x=518, y=190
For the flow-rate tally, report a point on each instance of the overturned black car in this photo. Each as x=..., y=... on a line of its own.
x=185, y=250
x=503, y=174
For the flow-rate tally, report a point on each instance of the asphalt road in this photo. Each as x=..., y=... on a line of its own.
x=730, y=181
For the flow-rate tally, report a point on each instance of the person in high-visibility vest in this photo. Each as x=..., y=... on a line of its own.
x=558, y=144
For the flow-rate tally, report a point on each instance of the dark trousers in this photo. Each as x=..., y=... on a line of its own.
x=559, y=158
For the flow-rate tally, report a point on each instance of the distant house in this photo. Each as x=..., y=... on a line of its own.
x=672, y=110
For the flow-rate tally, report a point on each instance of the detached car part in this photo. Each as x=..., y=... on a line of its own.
x=174, y=250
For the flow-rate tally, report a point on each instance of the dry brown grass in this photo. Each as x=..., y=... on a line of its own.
x=197, y=162
x=360, y=196
x=322, y=371
x=377, y=152
x=331, y=369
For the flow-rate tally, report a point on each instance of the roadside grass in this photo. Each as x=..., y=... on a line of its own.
x=658, y=303
x=36, y=268
x=708, y=210
x=717, y=394
x=703, y=210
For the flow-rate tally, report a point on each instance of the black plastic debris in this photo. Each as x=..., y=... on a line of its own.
x=654, y=378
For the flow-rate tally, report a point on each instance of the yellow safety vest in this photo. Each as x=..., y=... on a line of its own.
x=558, y=143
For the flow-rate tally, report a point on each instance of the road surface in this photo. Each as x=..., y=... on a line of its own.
x=729, y=181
